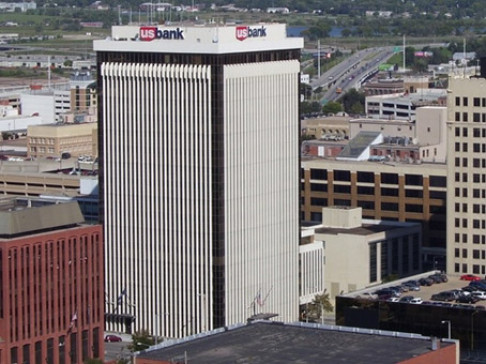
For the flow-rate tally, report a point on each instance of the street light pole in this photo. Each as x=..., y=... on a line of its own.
x=448, y=322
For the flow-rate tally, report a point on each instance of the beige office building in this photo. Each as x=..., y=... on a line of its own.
x=466, y=191
x=360, y=252
x=52, y=140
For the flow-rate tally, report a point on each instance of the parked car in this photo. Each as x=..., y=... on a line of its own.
x=112, y=338
x=479, y=285
x=470, y=277
x=426, y=281
x=438, y=278
x=479, y=294
x=416, y=301
x=467, y=299
x=413, y=285
x=393, y=299
x=406, y=299
x=445, y=296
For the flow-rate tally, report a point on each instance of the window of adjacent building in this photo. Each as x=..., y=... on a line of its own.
x=457, y=116
x=457, y=162
x=464, y=131
x=319, y=174
x=319, y=187
x=464, y=117
x=457, y=177
x=363, y=190
x=476, y=163
x=366, y=177
x=413, y=180
x=414, y=208
x=456, y=267
x=414, y=193
x=464, y=177
x=389, y=206
x=389, y=192
x=476, y=117
x=476, y=101
x=458, y=132
x=342, y=202
x=457, y=253
x=389, y=178
x=477, y=148
x=366, y=205
x=318, y=201
x=464, y=268
x=464, y=147
x=476, y=224
x=440, y=195
x=464, y=101
x=477, y=133
x=342, y=189
x=464, y=238
x=373, y=263
x=341, y=175
x=476, y=254
x=38, y=352
x=458, y=101
x=464, y=162
x=464, y=223
x=457, y=238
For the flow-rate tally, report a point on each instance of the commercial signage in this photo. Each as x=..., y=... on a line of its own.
x=243, y=32
x=151, y=33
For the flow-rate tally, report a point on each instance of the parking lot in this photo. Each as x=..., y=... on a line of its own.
x=425, y=292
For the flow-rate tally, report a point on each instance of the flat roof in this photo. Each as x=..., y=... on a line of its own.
x=364, y=229
x=274, y=342
x=206, y=39
x=23, y=215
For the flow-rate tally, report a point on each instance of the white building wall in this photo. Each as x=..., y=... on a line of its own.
x=312, y=260
x=261, y=190
x=157, y=222
x=40, y=104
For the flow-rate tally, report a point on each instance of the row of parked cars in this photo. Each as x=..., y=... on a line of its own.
x=389, y=293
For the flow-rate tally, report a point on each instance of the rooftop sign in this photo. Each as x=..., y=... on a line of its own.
x=243, y=32
x=151, y=33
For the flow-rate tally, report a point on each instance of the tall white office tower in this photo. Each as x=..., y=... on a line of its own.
x=199, y=160
x=466, y=178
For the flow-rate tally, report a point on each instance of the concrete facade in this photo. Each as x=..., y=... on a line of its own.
x=360, y=253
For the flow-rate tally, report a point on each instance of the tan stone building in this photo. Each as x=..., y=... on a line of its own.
x=466, y=192
x=53, y=140
x=360, y=252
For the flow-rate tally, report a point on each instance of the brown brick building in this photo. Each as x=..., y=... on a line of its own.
x=52, y=283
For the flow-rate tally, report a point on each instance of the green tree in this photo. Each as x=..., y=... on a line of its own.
x=332, y=107
x=141, y=340
x=353, y=102
x=320, y=304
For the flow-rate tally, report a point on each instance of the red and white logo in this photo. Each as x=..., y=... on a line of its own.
x=241, y=33
x=148, y=33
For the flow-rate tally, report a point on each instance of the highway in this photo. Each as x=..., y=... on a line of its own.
x=351, y=72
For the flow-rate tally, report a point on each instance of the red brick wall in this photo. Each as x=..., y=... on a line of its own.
x=52, y=301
